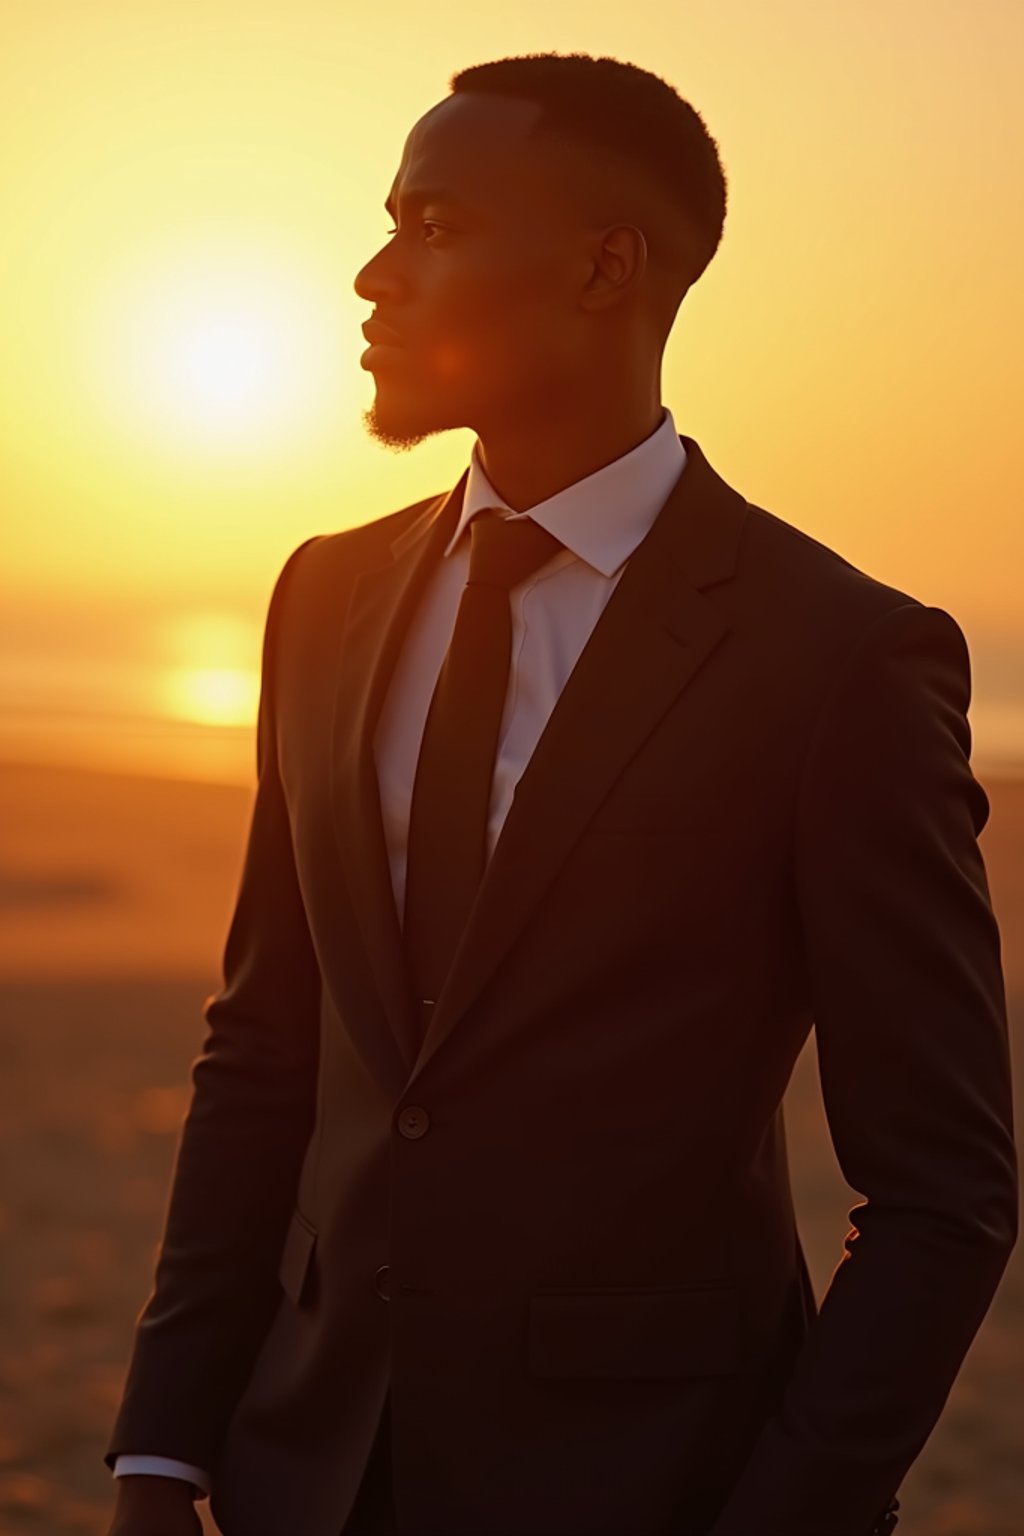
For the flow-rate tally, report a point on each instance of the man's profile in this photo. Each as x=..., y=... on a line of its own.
x=586, y=789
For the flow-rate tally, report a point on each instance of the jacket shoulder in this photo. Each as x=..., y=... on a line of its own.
x=361, y=538
x=817, y=588
x=325, y=558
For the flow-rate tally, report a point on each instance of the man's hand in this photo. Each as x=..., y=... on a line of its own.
x=148, y=1505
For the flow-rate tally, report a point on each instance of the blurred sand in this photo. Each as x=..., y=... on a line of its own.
x=116, y=893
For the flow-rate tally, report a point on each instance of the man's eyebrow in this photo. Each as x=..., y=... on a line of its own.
x=425, y=195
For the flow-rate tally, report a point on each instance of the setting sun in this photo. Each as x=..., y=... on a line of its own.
x=227, y=367
x=219, y=343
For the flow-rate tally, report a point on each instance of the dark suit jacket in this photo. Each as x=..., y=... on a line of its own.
x=561, y=1229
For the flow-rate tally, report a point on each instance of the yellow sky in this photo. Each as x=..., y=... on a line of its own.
x=188, y=189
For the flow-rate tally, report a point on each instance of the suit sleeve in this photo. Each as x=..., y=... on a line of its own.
x=903, y=969
x=242, y=1143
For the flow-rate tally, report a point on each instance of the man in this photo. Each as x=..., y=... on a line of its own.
x=585, y=789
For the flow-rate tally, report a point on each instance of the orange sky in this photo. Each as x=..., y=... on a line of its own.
x=186, y=193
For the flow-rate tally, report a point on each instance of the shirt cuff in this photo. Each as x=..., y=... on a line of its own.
x=164, y=1466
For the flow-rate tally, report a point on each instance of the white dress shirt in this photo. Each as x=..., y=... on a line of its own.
x=600, y=519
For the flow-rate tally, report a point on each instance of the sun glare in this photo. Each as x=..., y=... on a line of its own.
x=227, y=368
x=217, y=348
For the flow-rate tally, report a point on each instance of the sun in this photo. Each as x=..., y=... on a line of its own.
x=217, y=347
x=227, y=368
x=224, y=366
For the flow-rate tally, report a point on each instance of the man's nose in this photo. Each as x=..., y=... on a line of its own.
x=377, y=280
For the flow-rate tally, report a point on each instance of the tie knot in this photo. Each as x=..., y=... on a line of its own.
x=506, y=551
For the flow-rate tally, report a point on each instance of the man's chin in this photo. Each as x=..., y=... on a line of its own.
x=399, y=425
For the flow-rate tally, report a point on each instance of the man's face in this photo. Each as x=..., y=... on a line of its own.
x=477, y=279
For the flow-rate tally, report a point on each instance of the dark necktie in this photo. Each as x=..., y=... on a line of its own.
x=447, y=848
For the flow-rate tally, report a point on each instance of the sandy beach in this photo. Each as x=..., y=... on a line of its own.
x=116, y=894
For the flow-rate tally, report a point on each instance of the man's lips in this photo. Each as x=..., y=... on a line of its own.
x=385, y=344
x=378, y=334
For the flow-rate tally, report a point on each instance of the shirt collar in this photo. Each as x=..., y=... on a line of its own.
x=603, y=517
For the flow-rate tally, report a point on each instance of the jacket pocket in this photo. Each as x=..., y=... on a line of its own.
x=296, y=1254
x=622, y=1333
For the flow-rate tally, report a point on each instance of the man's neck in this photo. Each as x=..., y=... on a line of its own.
x=527, y=467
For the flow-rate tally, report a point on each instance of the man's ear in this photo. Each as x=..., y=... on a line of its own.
x=619, y=261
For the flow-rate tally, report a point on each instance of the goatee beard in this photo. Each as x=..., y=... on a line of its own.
x=398, y=438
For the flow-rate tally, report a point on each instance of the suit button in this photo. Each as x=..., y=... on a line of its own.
x=382, y=1282
x=413, y=1121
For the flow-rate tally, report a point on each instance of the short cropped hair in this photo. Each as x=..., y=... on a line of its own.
x=606, y=104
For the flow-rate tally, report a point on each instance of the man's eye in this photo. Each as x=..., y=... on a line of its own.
x=425, y=223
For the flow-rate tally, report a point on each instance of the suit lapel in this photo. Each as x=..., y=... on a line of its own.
x=656, y=631
x=380, y=608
